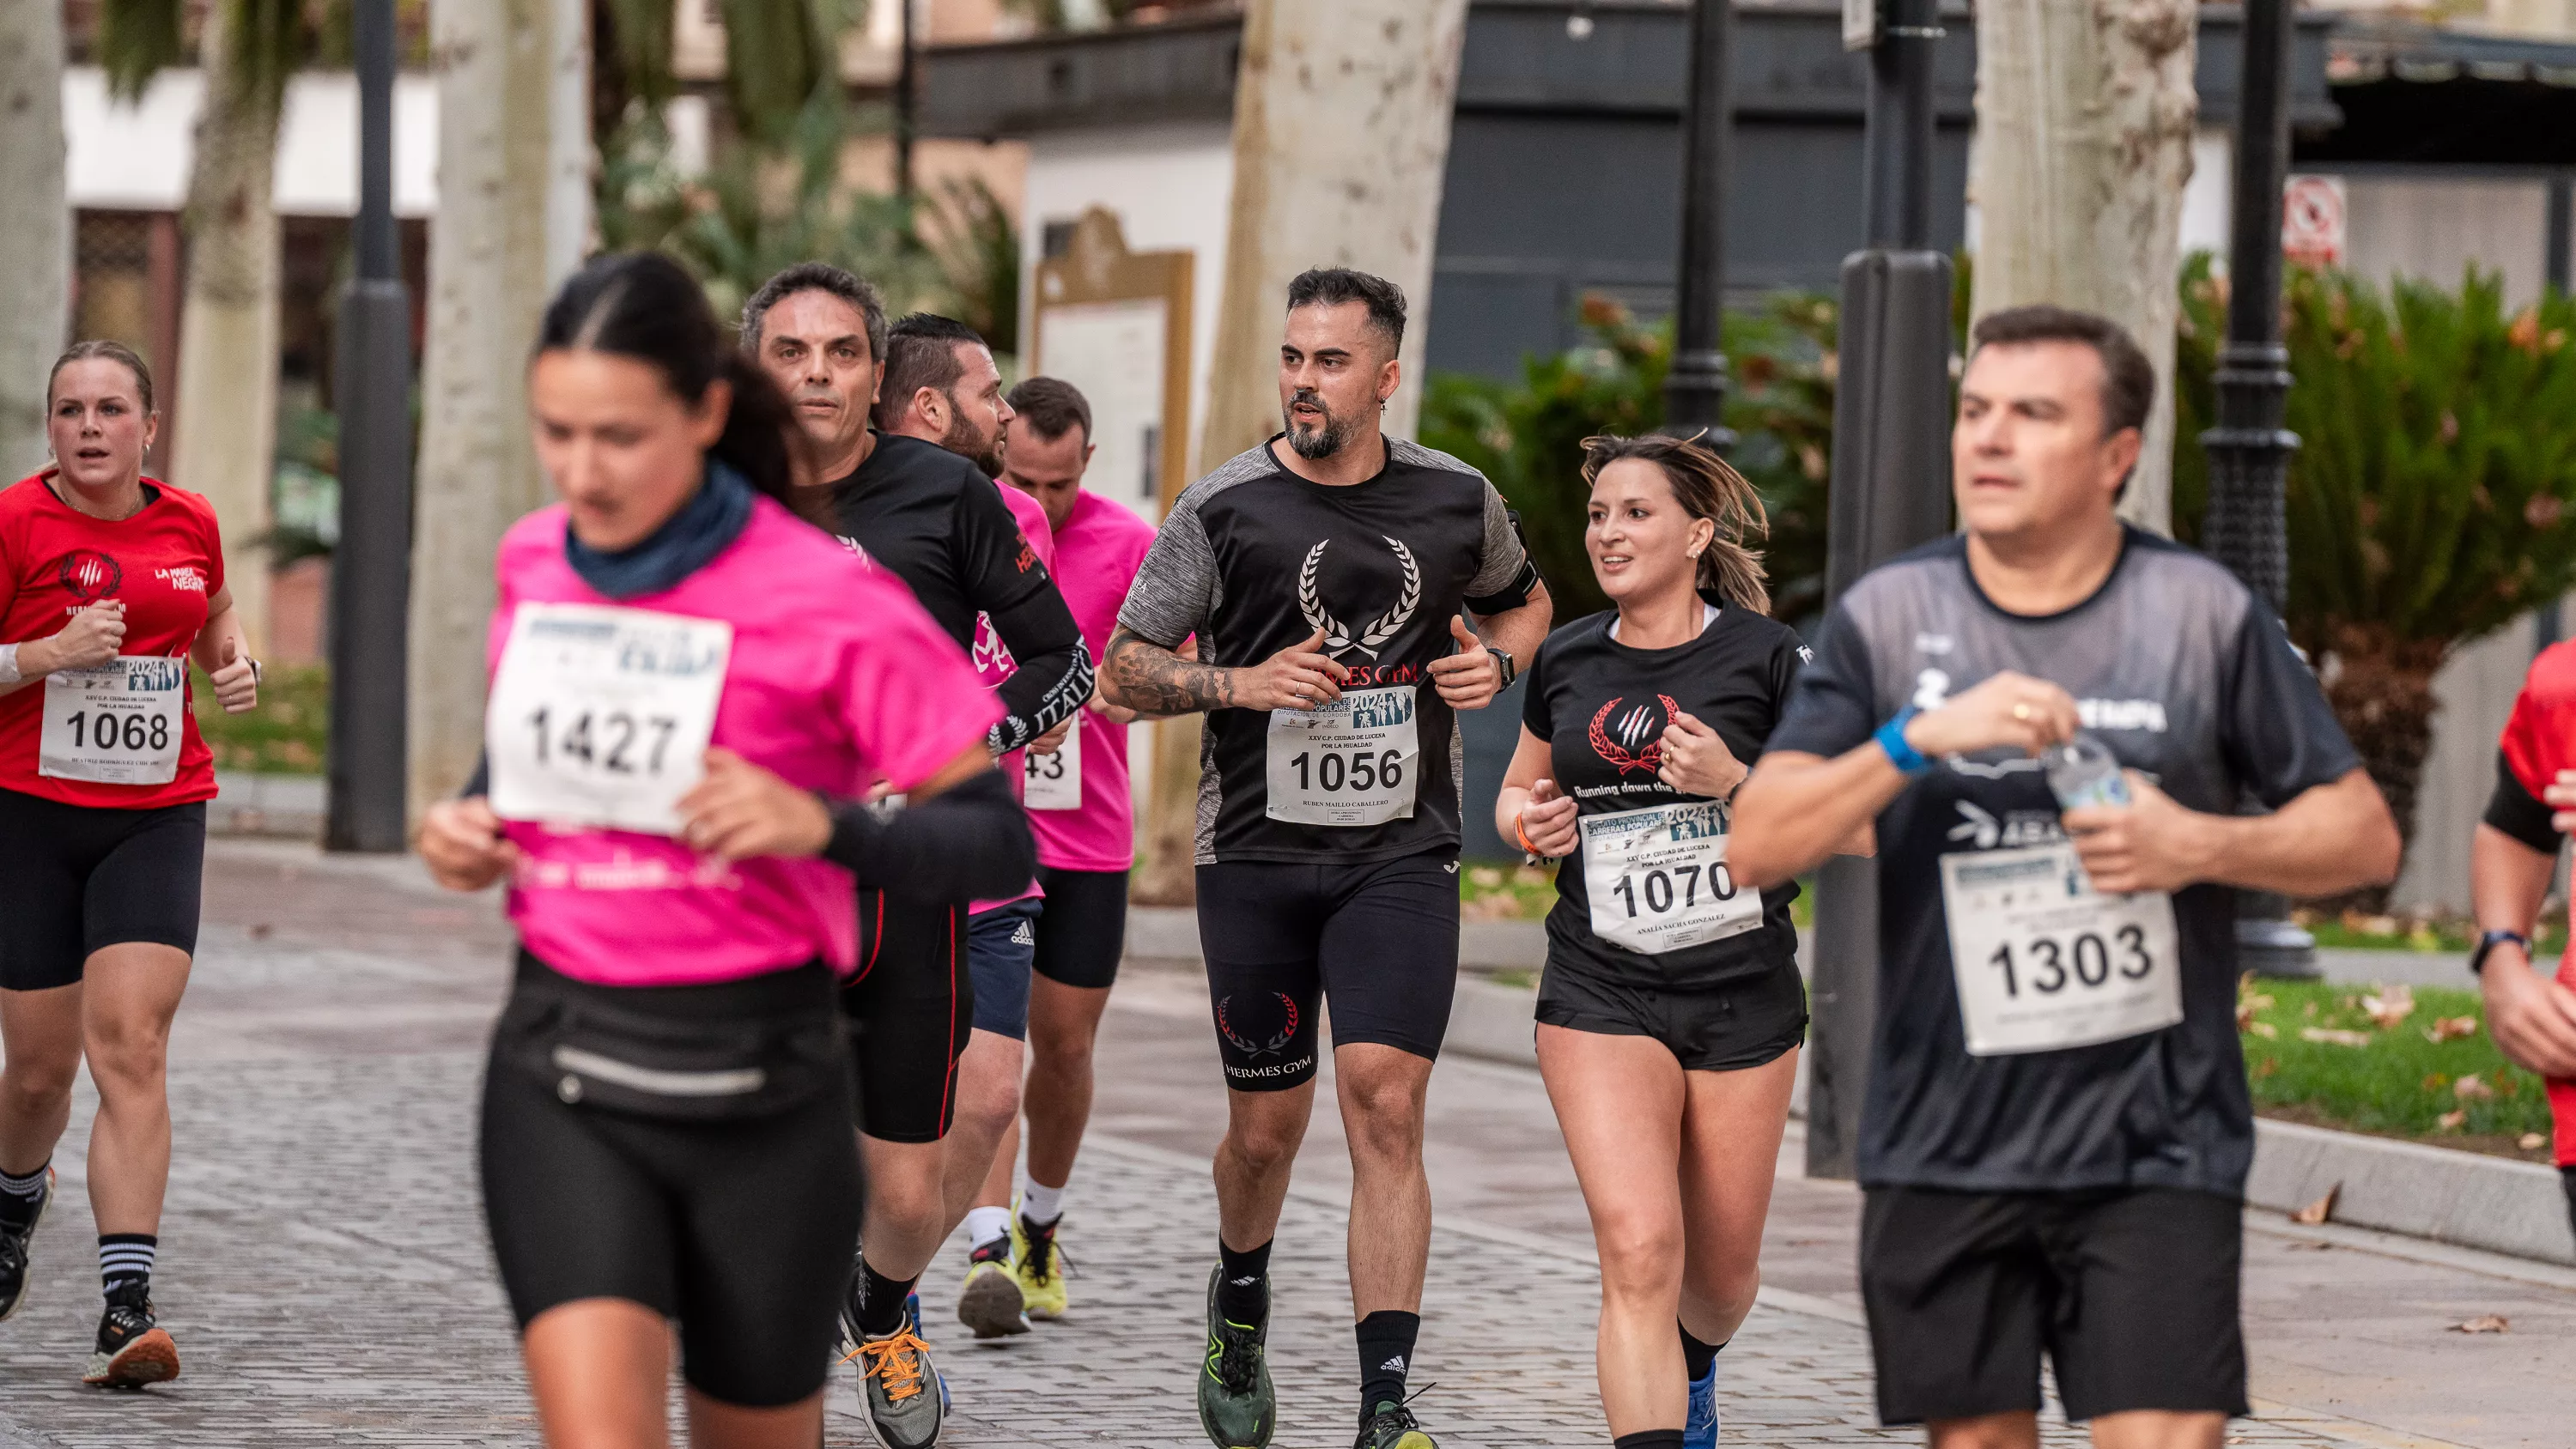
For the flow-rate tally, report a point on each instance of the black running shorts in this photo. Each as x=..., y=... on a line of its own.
x=1379, y=941
x=742, y=1232
x=1084, y=931
x=2130, y=1292
x=910, y=1008
x=1724, y=1028
x=84, y=877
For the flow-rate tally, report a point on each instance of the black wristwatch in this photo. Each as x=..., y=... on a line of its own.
x=2488, y=942
x=1511, y=667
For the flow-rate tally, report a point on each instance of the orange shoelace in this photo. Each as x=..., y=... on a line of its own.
x=894, y=1361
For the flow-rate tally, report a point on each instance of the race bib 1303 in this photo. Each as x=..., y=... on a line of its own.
x=2044, y=962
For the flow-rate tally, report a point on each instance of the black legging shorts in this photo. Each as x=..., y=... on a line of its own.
x=740, y=1231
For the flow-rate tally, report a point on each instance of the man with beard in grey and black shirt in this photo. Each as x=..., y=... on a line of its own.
x=1323, y=574
x=2056, y=1130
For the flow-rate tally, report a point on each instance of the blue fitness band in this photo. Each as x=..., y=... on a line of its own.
x=1891, y=738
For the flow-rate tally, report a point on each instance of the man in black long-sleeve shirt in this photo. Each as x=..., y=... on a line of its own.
x=905, y=500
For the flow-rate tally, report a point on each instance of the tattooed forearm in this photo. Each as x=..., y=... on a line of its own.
x=1152, y=680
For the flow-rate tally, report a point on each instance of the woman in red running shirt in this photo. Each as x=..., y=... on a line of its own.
x=109, y=583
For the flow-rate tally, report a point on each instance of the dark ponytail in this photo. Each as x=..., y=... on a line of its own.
x=644, y=306
x=1706, y=487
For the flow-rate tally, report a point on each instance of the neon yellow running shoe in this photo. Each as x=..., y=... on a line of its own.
x=1039, y=1265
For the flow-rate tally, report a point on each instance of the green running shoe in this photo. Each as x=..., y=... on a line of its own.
x=1237, y=1407
x=1391, y=1426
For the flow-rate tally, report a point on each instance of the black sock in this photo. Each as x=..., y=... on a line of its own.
x=1699, y=1357
x=1386, y=1356
x=1650, y=1439
x=1243, y=1285
x=21, y=1196
x=880, y=1300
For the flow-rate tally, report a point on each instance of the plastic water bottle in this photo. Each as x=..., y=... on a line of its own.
x=2083, y=771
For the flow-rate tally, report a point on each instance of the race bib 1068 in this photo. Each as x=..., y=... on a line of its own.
x=1054, y=782
x=2044, y=962
x=1658, y=881
x=118, y=723
x=1350, y=761
x=601, y=715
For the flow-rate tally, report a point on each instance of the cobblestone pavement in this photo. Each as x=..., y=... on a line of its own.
x=325, y=1273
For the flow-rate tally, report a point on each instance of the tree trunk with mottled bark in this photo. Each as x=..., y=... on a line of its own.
x=2084, y=125
x=225, y=414
x=35, y=227
x=1341, y=142
x=489, y=270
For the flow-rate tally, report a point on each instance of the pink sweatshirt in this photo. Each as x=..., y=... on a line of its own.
x=1099, y=548
x=993, y=661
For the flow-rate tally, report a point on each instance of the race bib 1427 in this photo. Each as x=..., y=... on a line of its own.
x=601, y=715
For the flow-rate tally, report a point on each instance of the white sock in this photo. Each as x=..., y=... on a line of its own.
x=984, y=1224
x=1041, y=1204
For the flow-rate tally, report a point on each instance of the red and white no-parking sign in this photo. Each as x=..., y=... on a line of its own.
x=2312, y=220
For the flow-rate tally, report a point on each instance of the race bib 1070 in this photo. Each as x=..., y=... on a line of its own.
x=1657, y=878
x=601, y=715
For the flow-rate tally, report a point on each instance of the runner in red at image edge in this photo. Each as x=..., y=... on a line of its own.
x=109, y=583
x=2511, y=865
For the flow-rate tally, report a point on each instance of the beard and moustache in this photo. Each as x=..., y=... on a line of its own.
x=965, y=442
x=1315, y=444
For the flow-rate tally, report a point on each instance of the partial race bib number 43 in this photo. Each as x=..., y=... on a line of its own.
x=1658, y=881
x=601, y=715
x=117, y=723
x=1350, y=761
x=2044, y=962
x=1054, y=782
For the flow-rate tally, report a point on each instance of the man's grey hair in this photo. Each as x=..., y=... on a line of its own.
x=861, y=294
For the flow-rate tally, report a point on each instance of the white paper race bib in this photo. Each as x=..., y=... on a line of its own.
x=1054, y=782
x=116, y=723
x=1349, y=762
x=601, y=715
x=1658, y=881
x=2045, y=963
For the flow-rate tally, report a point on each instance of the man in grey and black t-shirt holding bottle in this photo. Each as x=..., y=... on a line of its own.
x=1322, y=575
x=2056, y=1130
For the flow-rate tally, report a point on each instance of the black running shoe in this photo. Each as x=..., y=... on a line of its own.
x=13, y=1251
x=1391, y=1426
x=132, y=1348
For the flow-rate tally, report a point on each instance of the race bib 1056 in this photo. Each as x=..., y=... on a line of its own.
x=2044, y=962
x=1350, y=761
x=601, y=715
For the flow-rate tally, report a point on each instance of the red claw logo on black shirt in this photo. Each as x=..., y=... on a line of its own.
x=1635, y=741
x=90, y=575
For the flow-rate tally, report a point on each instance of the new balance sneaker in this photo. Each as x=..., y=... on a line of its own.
x=990, y=1301
x=904, y=1398
x=1699, y=1430
x=1039, y=1265
x=1391, y=1426
x=133, y=1350
x=13, y=1251
x=1237, y=1407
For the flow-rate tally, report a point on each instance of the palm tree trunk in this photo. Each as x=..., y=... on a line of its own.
x=2084, y=126
x=35, y=227
x=488, y=268
x=2381, y=689
x=225, y=415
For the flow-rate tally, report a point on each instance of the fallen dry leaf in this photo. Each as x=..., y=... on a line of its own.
x=2445, y=1028
x=2332, y=1036
x=2484, y=1323
x=2390, y=1006
x=2451, y=1120
x=2263, y=1029
x=2318, y=1211
x=2531, y=1142
x=2471, y=1089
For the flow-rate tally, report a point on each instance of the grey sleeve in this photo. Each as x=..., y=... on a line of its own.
x=1175, y=589
x=1502, y=559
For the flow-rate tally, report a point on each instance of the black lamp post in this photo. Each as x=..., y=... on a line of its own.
x=2249, y=450
x=371, y=568
x=1695, y=388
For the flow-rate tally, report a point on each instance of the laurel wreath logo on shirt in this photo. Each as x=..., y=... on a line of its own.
x=1337, y=635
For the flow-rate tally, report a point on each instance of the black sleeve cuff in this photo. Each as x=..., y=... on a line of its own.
x=1512, y=596
x=2515, y=811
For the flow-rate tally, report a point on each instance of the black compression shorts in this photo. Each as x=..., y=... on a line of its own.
x=742, y=1231
x=84, y=877
x=1084, y=930
x=2132, y=1293
x=910, y=1008
x=1379, y=940
x=1722, y=1028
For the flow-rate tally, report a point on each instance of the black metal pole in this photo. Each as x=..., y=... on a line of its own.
x=907, y=100
x=2246, y=527
x=371, y=569
x=1891, y=415
x=1695, y=389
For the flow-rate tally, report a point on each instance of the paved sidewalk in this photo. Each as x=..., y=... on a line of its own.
x=327, y=1281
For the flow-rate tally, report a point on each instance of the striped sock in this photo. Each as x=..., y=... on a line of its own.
x=125, y=1258
x=20, y=1196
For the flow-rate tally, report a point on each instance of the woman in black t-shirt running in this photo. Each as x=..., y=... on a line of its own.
x=1671, y=1012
